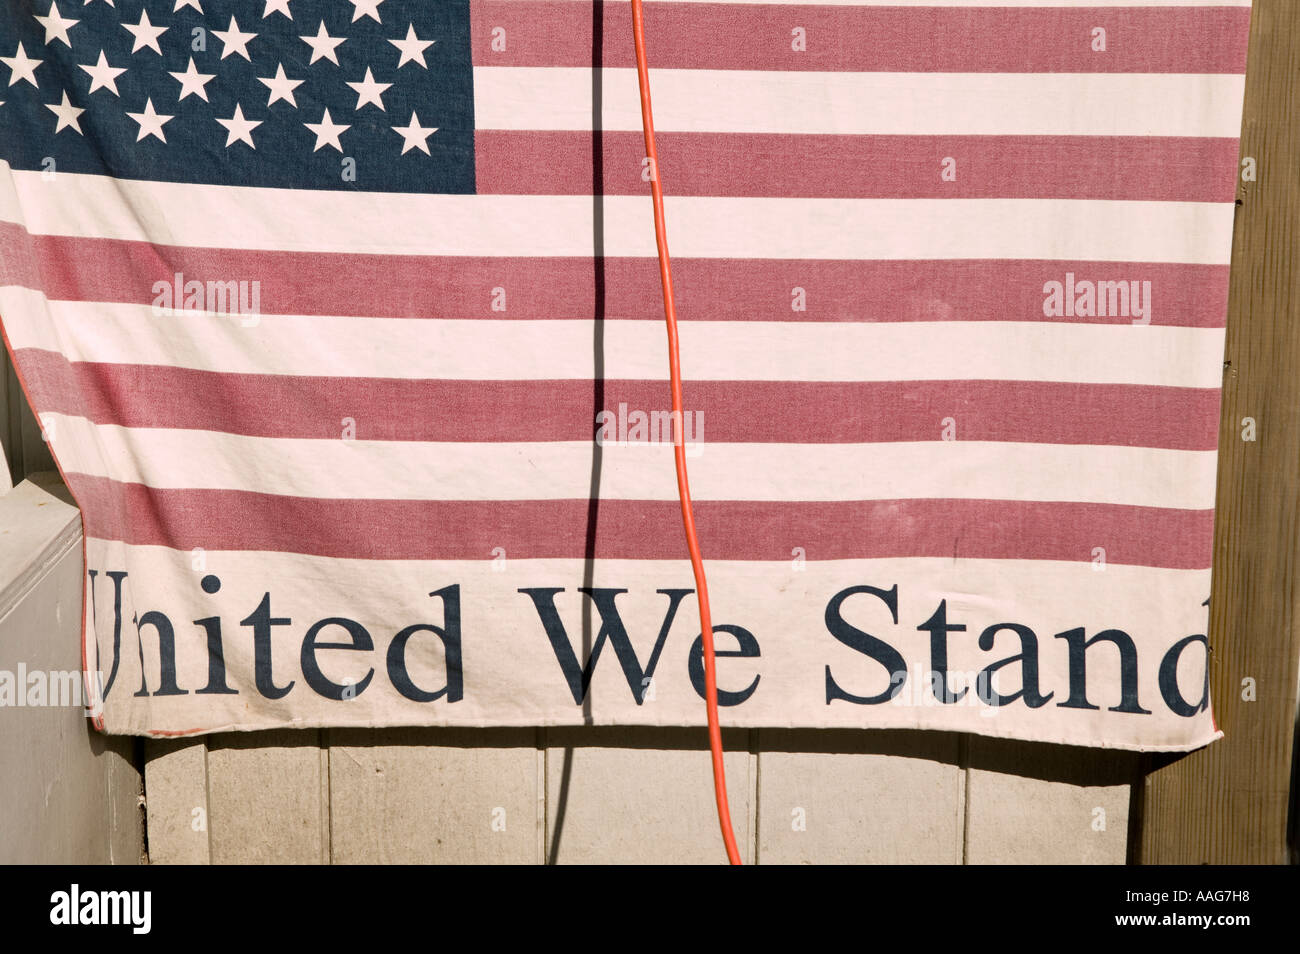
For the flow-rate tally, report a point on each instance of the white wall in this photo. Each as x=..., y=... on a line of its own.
x=68, y=794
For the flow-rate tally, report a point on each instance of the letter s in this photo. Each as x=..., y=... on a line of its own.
x=867, y=644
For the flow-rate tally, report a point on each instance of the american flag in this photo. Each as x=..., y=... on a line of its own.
x=342, y=318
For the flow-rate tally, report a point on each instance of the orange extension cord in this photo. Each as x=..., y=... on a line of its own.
x=679, y=445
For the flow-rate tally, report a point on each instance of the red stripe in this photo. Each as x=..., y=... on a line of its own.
x=1156, y=169
x=642, y=530
x=870, y=39
x=412, y=286
x=267, y=405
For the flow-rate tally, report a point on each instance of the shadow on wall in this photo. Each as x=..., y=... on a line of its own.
x=20, y=435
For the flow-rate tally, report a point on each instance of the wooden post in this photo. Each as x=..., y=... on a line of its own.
x=1228, y=804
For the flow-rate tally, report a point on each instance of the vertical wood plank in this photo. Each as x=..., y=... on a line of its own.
x=1227, y=804
x=642, y=795
x=176, y=800
x=326, y=802
x=433, y=796
x=264, y=791
x=840, y=796
x=540, y=764
x=1047, y=804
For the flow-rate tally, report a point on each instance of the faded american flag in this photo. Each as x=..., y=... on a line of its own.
x=342, y=318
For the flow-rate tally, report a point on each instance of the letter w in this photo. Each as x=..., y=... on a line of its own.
x=611, y=628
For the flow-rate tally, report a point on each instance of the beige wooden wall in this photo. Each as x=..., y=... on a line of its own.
x=601, y=794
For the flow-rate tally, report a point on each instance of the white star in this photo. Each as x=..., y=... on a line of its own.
x=187, y=3
x=67, y=114
x=322, y=45
x=103, y=76
x=145, y=33
x=21, y=66
x=232, y=41
x=365, y=8
x=238, y=128
x=327, y=132
x=412, y=48
x=281, y=86
x=277, y=6
x=88, y=2
x=415, y=136
x=56, y=25
x=368, y=91
x=151, y=123
x=192, y=81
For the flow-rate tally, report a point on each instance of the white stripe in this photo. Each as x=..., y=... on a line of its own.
x=770, y=101
x=563, y=350
x=411, y=470
x=511, y=225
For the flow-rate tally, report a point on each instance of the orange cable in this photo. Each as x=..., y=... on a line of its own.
x=679, y=445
